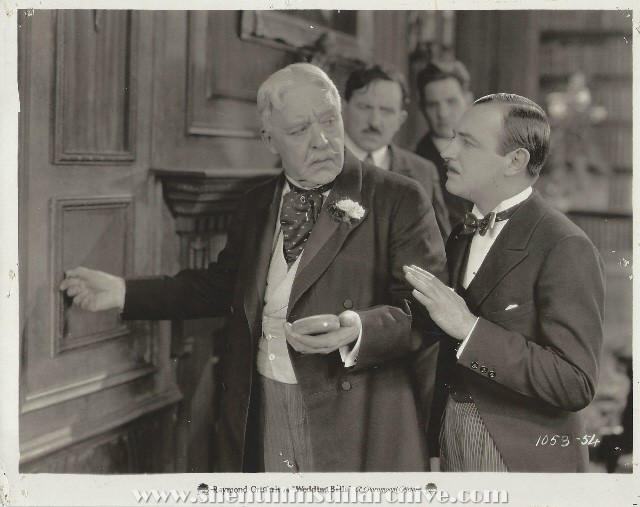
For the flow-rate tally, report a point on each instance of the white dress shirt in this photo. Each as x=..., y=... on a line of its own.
x=480, y=246
x=381, y=157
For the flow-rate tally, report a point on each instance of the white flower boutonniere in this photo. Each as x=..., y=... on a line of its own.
x=346, y=211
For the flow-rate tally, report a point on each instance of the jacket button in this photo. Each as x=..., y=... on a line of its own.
x=232, y=310
x=484, y=369
x=492, y=374
x=346, y=386
x=348, y=304
x=224, y=387
x=227, y=346
x=474, y=365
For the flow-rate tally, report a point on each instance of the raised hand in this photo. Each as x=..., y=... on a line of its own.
x=447, y=309
x=326, y=342
x=94, y=290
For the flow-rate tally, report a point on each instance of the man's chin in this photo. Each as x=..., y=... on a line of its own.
x=452, y=186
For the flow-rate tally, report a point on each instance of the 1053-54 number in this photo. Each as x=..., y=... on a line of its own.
x=565, y=440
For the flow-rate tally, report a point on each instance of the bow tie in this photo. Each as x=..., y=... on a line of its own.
x=472, y=223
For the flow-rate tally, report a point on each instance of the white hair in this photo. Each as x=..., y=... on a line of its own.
x=272, y=89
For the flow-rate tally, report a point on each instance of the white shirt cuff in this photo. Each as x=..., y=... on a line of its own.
x=466, y=339
x=348, y=354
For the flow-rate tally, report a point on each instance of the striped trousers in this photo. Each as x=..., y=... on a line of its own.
x=465, y=442
x=284, y=429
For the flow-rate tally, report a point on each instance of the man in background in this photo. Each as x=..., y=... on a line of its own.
x=443, y=88
x=374, y=110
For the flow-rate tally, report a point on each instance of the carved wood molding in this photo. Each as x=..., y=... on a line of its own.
x=120, y=208
x=281, y=29
x=84, y=387
x=205, y=192
x=49, y=443
x=62, y=153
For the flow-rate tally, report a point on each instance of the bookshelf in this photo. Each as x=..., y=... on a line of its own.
x=597, y=44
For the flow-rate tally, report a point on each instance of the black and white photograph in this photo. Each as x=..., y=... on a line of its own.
x=272, y=255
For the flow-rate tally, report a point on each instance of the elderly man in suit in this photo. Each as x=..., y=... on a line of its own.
x=330, y=235
x=524, y=317
x=374, y=110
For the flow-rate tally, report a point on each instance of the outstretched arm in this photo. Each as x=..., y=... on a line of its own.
x=192, y=293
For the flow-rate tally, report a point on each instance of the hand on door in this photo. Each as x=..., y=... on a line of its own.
x=94, y=290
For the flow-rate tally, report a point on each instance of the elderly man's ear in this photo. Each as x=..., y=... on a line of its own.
x=266, y=138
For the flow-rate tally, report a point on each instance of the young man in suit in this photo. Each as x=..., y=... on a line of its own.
x=328, y=236
x=524, y=317
x=375, y=101
x=443, y=88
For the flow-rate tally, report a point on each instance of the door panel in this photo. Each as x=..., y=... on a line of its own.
x=86, y=198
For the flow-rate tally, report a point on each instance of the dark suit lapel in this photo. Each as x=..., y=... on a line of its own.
x=398, y=162
x=507, y=252
x=328, y=234
x=457, y=253
x=262, y=228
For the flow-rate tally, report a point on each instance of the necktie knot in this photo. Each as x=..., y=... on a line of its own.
x=300, y=210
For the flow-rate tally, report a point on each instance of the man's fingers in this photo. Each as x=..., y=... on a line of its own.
x=323, y=343
x=81, y=300
x=76, y=289
x=76, y=272
x=310, y=350
x=419, y=272
x=422, y=298
x=421, y=275
x=417, y=283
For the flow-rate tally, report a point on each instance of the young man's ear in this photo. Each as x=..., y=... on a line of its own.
x=268, y=141
x=518, y=161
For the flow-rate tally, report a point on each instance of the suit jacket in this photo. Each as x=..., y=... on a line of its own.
x=456, y=206
x=362, y=418
x=424, y=172
x=530, y=369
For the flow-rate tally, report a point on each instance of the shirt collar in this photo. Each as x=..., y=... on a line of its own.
x=290, y=181
x=507, y=203
x=379, y=156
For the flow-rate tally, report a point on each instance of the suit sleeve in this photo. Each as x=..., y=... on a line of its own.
x=192, y=293
x=559, y=365
x=393, y=331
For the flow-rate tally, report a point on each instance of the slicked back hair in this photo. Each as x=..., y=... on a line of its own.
x=273, y=88
x=361, y=78
x=524, y=125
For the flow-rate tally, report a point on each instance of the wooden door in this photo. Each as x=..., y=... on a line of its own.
x=97, y=394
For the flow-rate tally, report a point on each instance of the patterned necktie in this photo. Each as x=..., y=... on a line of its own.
x=472, y=223
x=300, y=210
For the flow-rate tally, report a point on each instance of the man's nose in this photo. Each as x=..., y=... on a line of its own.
x=448, y=153
x=374, y=118
x=318, y=139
